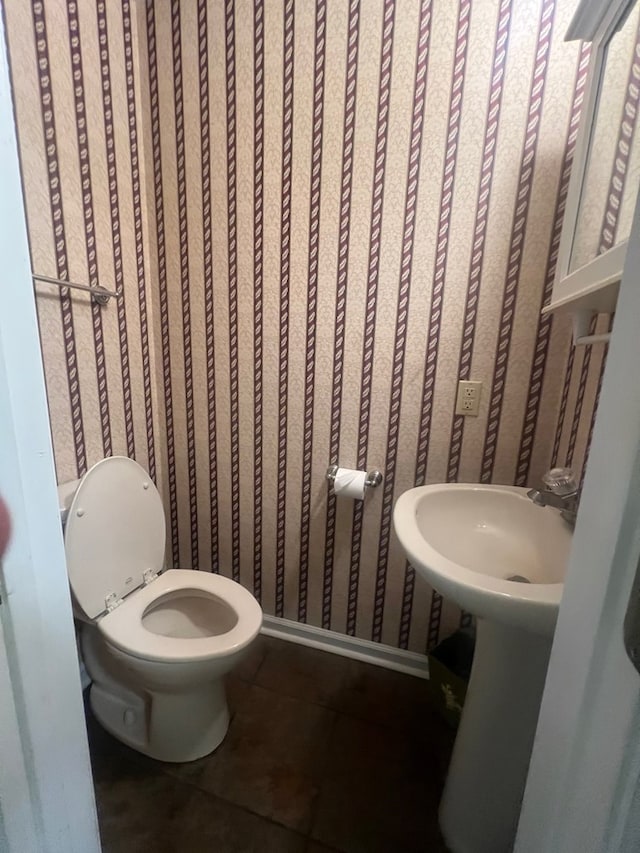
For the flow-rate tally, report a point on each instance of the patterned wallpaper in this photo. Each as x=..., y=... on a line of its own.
x=320, y=215
x=77, y=110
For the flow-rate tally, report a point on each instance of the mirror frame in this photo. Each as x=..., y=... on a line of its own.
x=594, y=286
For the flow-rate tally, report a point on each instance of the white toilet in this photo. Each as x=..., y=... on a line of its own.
x=155, y=643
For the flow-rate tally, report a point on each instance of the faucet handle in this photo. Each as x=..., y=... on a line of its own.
x=561, y=481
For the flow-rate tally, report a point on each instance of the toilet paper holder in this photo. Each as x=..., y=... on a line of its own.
x=372, y=481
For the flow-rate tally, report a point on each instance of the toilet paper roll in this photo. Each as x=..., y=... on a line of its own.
x=349, y=483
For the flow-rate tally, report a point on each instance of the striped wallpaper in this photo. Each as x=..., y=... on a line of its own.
x=74, y=74
x=319, y=216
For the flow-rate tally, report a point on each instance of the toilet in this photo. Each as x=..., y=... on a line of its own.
x=156, y=643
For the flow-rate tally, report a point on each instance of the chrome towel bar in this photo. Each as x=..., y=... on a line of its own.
x=98, y=293
x=604, y=338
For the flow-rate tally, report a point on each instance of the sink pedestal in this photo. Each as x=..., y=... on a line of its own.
x=480, y=806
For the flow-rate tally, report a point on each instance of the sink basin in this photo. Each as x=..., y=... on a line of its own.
x=501, y=558
x=468, y=540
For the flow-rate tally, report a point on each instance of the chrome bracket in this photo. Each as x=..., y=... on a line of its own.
x=112, y=601
x=148, y=575
x=373, y=479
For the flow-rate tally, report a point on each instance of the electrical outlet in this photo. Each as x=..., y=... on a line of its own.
x=468, y=399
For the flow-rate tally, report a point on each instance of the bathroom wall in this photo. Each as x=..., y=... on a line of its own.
x=385, y=184
x=74, y=73
x=330, y=212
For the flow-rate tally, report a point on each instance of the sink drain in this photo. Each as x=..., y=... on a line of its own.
x=518, y=579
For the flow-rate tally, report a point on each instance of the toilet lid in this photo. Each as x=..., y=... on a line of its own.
x=115, y=532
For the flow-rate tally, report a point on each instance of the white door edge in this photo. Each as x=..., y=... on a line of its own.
x=585, y=765
x=39, y=642
x=17, y=827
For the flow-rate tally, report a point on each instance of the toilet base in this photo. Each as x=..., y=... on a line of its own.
x=173, y=727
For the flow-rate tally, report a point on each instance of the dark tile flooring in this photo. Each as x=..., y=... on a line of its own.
x=323, y=755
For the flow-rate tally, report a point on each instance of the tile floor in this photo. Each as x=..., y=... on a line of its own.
x=323, y=755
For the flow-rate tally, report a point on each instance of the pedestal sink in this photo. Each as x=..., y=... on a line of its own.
x=501, y=558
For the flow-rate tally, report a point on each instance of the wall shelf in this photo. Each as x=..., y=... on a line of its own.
x=591, y=290
x=593, y=287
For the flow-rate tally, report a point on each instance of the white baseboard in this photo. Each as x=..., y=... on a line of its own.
x=389, y=657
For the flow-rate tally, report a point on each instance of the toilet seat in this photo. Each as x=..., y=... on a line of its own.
x=115, y=534
x=124, y=629
x=114, y=542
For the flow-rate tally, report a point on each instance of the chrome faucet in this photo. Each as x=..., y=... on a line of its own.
x=561, y=492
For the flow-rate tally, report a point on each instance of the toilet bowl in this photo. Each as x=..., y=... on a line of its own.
x=156, y=644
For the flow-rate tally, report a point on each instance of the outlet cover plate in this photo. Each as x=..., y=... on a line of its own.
x=468, y=399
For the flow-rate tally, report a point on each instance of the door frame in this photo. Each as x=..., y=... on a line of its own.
x=17, y=825
x=46, y=790
x=584, y=777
